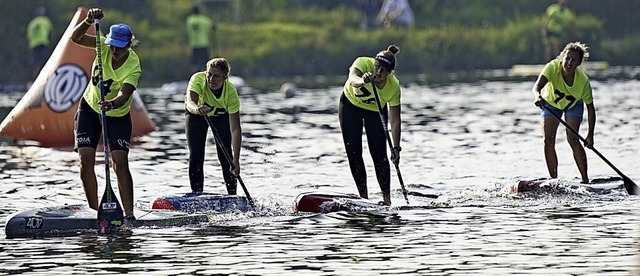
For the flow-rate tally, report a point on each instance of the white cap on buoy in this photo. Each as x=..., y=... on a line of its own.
x=288, y=89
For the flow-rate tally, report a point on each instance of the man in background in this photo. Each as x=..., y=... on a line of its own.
x=39, y=37
x=198, y=30
x=558, y=21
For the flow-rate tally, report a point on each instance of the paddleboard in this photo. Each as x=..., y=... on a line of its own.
x=72, y=219
x=597, y=185
x=202, y=203
x=326, y=202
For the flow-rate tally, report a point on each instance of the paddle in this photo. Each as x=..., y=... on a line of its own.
x=229, y=159
x=386, y=133
x=631, y=187
x=109, y=210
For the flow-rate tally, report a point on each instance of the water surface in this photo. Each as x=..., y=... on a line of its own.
x=466, y=142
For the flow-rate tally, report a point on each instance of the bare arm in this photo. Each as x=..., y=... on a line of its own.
x=192, y=104
x=80, y=36
x=123, y=96
x=591, y=115
x=236, y=140
x=537, y=88
x=396, y=126
x=358, y=79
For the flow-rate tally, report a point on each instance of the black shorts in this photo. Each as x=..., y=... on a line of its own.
x=88, y=129
x=40, y=54
x=199, y=57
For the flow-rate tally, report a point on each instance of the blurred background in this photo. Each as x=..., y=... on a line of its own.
x=266, y=39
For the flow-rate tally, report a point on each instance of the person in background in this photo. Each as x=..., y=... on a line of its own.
x=369, y=10
x=557, y=22
x=198, y=29
x=396, y=13
x=562, y=87
x=211, y=94
x=358, y=109
x=121, y=71
x=39, y=33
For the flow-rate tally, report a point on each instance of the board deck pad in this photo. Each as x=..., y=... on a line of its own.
x=71, y=219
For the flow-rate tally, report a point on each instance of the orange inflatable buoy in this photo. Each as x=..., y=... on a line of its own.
x=45, y=113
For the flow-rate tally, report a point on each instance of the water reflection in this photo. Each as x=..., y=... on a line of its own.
x=466, y=142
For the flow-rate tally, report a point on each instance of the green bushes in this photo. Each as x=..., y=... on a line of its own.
x=280, y=38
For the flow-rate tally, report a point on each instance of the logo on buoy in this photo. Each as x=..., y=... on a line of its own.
x=65, y=87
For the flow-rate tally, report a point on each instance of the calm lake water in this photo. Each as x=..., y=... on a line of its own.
x=466, y=142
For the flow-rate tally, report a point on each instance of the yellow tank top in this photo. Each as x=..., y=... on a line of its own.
x=363, y=97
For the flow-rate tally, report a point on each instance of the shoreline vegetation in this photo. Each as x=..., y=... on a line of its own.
x=277, y=41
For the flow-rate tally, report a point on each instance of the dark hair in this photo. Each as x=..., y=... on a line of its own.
x=388, y=57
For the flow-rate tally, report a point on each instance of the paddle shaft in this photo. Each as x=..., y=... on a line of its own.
x=386, y=133
x=628, y=183
x=229, y=158
x=103, y=114
x=108, y=196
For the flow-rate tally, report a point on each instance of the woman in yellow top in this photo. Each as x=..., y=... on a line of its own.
x=358, y=108
x=562, y=87
x=121, y=72
x=211, y=94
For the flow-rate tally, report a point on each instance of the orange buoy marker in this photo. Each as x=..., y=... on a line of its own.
x=45, y=113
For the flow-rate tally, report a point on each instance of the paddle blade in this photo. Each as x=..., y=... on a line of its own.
x=419, y=194
x=631, y=186
x=110, y=213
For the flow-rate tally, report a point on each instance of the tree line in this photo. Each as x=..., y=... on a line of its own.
x=285, y=38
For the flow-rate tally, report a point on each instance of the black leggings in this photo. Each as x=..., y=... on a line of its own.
x=197, y=128
x=352, y=119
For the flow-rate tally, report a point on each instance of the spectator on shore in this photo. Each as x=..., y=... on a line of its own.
x=558, y=21
x=369, y=10
x=396, y=13
x=198, y=30
x=39, y=33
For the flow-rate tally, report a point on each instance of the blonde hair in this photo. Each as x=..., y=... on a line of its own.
x=220, y=63
x=581, y=48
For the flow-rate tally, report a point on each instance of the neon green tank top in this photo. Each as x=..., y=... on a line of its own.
x=228, y=102
x=113, y=80
x=38, y=31
x=363, y=97
x=559, y=20
x=198, y=27
x=558, y=93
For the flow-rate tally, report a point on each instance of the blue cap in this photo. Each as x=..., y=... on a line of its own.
x=119, y=35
